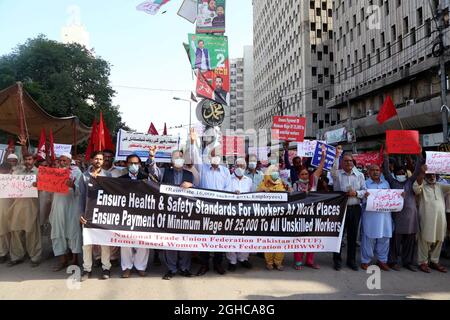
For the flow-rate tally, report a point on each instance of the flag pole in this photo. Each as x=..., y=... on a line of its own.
x=399, y=120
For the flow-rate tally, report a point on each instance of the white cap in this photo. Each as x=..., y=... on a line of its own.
x=12, y=156
x=67, y=155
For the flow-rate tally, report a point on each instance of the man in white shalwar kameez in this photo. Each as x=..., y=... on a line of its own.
x=65, y=217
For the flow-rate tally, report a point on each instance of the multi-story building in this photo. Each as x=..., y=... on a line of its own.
x=386, y=47
x=240, y=117
x=293, y=61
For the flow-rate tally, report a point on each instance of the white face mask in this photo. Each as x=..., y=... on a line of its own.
x=401, y=178
x=215, y=161
x=178, y=163
x=252, y=165
x=239, y=172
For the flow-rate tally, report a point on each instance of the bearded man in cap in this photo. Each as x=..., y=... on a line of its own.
x=65, y=217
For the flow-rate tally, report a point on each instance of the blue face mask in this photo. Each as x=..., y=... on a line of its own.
x=133, y=168
x=275, y=176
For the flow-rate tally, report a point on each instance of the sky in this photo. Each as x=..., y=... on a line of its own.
x=145, y=51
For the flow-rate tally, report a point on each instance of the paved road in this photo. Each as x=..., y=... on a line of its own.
x=24, y=282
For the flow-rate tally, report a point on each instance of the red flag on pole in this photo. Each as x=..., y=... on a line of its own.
x=52, y=146
x=165, y=130
x=42, y=150
x=109, y=145
x=152, y=130
x=92, y=139
x=100, y=146
x=387, y=111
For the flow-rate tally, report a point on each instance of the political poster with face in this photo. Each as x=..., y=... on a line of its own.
x=211, y=16
x=208, y=52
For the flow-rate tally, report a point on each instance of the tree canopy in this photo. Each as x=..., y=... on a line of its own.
x=64, y=79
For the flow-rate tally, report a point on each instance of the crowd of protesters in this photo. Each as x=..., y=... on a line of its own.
x=413, y=238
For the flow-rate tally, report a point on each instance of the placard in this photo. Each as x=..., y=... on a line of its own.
x=385, y=200
x=289, y=128
x=438, y=162
x=402, y=142
x=53, y=179
x=17, y=186
x=330, y=154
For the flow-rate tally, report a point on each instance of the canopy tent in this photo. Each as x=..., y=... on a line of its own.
x=20, y=114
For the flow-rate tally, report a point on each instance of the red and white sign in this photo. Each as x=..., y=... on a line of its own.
x=385, y=200
x=289, y=128
x=438, y=162
x=402, y=142
x=367, y=159
x=233, y=146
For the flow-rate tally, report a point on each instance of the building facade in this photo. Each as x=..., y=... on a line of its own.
x=293, y=62
x=385, y=47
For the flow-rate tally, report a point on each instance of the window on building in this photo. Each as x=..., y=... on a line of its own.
x=314, y=94
x=314, y=71
x=314, y=117
x=419, y=16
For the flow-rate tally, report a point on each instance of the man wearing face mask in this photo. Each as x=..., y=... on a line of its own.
x=213, y=176
x=137, y=257
x=433, y=225
x=239, y=184
x=176, y=261
x=406, y=222
x=253, y=173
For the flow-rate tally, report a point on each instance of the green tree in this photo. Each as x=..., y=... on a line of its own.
x=65, y=79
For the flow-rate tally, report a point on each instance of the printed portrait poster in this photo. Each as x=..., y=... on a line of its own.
x=211, y=16
x=208, y=52
x=219, y=81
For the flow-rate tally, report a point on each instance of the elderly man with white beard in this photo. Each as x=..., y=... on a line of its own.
x=433, y=224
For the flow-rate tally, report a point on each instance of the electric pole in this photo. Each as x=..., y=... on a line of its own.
x=442, y=71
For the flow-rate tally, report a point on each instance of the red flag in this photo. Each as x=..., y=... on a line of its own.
x=92, y=139
x=52, y=146
x=42, y=150
x=100, y=141
x=165, y=130
x=109, y=145
x=152, y=130
x=387, y=111
x=203, y=88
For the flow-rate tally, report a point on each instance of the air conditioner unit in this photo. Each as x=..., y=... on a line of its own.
x=410, y=102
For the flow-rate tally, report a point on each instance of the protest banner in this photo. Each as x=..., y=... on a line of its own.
x=142, y=214
x=289, y=128
x=385, y=200
x=307, y=148
x=233, y=146
x=211, y=16
x=188, y=10
x=139, y=143
x=330, y=154
x=62, y=148
x=438, y=162
x=336, y=136
x=53, y=179
x=402, y=142
x=17, y=186
x=367, y=158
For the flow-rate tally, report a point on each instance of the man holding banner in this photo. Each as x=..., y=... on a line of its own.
x=137, y=257
x=65, y=218
x=176, y=261
x=376, y=226
x=24, y=215
x=5, y=169
x=94, y=172
x=406, y=222
x=353, y=183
